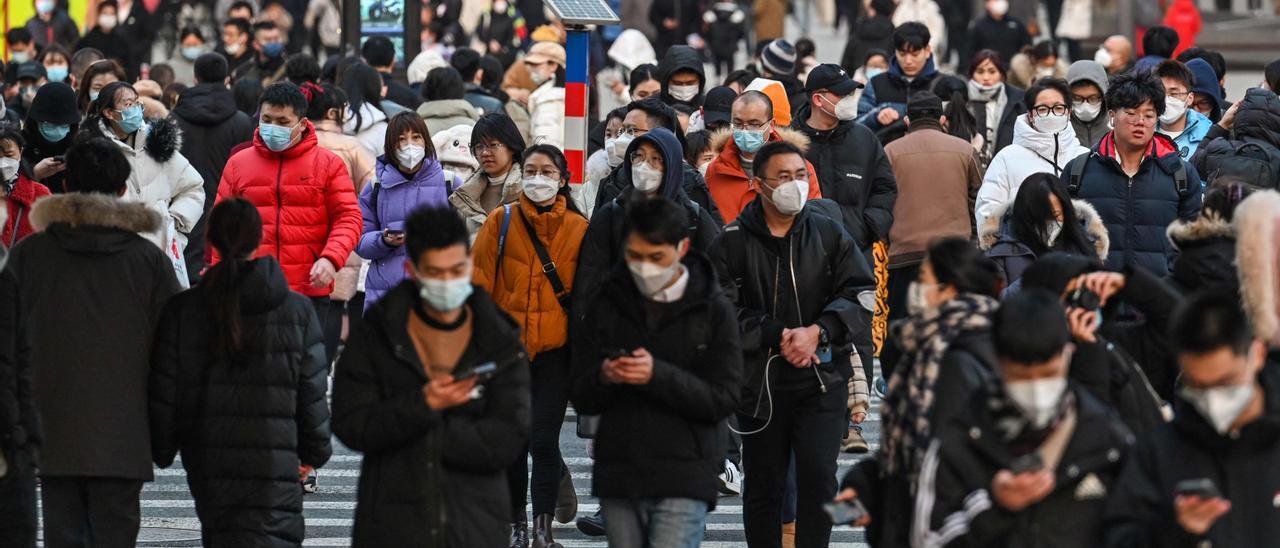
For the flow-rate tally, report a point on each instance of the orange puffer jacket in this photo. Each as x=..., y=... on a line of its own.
x=307, y=202
x=521, y=288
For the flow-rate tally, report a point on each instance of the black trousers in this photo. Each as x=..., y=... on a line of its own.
x=81, y=511
x=807, y=426
x=329, y=312
x=900, y=279
x=18, y=503
x=550, y=383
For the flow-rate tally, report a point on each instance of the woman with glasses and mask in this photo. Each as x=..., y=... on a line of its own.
x=161, y=177
x=994, y=103
x=1043, y=142
x=526, y=256
x=496, y=143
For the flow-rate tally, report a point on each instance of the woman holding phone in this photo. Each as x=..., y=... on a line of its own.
x=406, y=176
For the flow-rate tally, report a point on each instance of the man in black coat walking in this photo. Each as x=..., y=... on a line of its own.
x=88, y=275
x=658, y=353
x=19, y=421
x=434, y=390
x=211, y=127
x=797, y=281
x=1209, y=477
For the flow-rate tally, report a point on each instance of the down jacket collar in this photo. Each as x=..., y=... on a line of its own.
x=1257, y=224
x=1058, y=148
x=722, y=143
x=1207, y=253
x=93, y=223
x=1259, y=116
x=304, y=145
x=1162, y=149
x=161, y=139
x=995, y=230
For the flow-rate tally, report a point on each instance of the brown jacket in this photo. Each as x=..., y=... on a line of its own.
x=770, y=18
x=360, y=167
x=521, y=288
x=938, y=183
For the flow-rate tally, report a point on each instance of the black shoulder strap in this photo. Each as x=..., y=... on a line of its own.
x=373, y=199
x=1180, y=179
x=1077, y=175
x=695, y=215
x=548, y=266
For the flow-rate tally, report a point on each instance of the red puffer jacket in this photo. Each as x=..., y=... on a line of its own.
x=25, y=193
x=307, y=202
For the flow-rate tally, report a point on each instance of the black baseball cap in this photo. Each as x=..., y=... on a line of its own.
x=717, y=104
x=31, y=69
x=831, y=77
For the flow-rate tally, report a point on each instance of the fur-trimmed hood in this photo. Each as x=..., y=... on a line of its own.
x=1257, y=224
x=992, y=228
x=162, y=139
x=722, y=138
x=1205, y=227
x=96, y=210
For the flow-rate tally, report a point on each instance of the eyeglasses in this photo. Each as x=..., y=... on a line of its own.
x=654, y=162
x=1092, y=99
x=1045, y=110
x=554, y=175
x=1180, y=95
x=1136, y=118
x=633, y=132
x=482, y=148
x=784, y=178
x=745, y=126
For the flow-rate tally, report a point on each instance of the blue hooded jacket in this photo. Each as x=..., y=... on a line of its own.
x=890, y=90
x=1206, y=85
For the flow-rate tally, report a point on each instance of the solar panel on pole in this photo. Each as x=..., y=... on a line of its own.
x=583, y=12
x=576, y=14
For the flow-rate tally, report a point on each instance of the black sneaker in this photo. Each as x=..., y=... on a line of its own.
x=312, y=484
x=593, y=525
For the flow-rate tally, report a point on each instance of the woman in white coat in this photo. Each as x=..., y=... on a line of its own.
x=160, y=177
x=365, y=119
x=1043, y=142
x=546, y=63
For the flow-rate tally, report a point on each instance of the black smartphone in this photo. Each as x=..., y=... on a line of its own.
x=1084, y=298
x=844, y=513
x=393, y=233
x=1201, y=487
x=1030, y=462
x=617, y=353
x=59, y=158
x=482, y=372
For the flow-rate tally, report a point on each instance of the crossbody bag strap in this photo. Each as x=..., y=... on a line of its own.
x=502, y=242
x=548, y=266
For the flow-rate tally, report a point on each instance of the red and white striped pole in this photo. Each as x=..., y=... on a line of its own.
x=577, y=62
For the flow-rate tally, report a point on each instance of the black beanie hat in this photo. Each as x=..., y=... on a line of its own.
x=55, y=103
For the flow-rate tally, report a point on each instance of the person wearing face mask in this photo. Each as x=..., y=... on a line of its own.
x=105, y=36
x=211, y=128
x=408, y=176
x=951, y=304
x=802, y=306
x=752, y=126
x=602, y=162
x=912, y=70
x=268, y=65
x=191, y=45
x=21, y=47
x=236, y=35
x=52, y=26
x=1115, y=54
x=871, y=33
x=1224, y=431
x=546, y=62
x=1253, y=125
x=303, y=192
x=1043, y=142
x=974, y=489
x=636, y=365
x=998, y=31
x=51, y=123
x=682, y=76
x=1036, y=62
x=527, y=255
x=56, y=61
x=1185, y=125
x=405, y=396
x=31, y=77
x=995, y=104
x=18, y=192
x=161, y=177
x=1088, y=81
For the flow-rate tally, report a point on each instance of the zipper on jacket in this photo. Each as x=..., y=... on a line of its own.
x=279, y=206
x=791, y=262
x=1128, y=223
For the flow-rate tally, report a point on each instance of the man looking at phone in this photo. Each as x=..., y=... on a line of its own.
x=434, y=390
x=658, y=354
x=1209, y=477
x=1030, y=461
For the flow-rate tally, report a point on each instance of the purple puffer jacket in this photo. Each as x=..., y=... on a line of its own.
x=397, y=197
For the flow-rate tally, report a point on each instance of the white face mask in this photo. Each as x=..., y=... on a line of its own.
x=1054, y=229
x=651, y=278
x=617, y=148
x=8, y=168
x=1103, y=57
x=1038, y=399
x=683, y=93
x=999, y=8
x=234, y=49
x=537, y=76
x=790, y=197
x=1044, y=72
x=703, y=169
x=540, y=189
x=1087, y=112
x=645, y=177
x=917, y=299
x=410, y=155
x=445, y=295
x=107, y=22
x=19, y=57
x=1051, y=124
x=1220, y=405
x=1173, y=110
x=844, y=110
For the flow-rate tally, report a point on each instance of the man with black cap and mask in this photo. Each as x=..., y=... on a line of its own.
x=51, y=124
x=31, y=77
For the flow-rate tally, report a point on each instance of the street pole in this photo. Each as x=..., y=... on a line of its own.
x=578, y=61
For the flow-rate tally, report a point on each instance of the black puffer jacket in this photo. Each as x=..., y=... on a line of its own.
x=211, y=127
x=665, y=438
x=761, y=275
x=1257, y=123
x=1206, y=255
x=957, y=508
x=431, y=479
x=1243, y=466
x=19, y=421
x=854, y=172
x=243, y=427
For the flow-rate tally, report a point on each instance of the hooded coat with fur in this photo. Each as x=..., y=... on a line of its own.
x=1257, y=224
x=729, y=185
x=162, y=178
x=1013, y=257
x=97, y=280
x=1206, y=255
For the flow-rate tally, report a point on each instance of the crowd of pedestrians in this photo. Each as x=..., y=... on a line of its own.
x=1058, y=272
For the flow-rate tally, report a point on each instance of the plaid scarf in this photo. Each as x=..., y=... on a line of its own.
x=924, y=339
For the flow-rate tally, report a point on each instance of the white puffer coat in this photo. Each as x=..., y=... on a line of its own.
x=1031, y=152
x=162, y=178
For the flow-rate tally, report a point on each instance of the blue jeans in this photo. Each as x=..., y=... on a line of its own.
x=654, y=522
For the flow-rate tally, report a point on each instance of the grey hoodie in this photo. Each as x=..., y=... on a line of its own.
x=1089, y=133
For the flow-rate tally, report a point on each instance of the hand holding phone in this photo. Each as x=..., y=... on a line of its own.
x=1030, y=462
x=1198, y=505
x=845, y=512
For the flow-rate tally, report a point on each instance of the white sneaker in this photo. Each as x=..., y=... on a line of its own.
x=730, y=479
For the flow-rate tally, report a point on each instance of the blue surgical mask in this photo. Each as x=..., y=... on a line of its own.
x=132, y=119
x=54, y=133
x=56, y=73
x=191, y=53
x=276, y=138
x=445, y=295
x=93, y=96
x=748, y=141
x=273, y=49
x=873, y=72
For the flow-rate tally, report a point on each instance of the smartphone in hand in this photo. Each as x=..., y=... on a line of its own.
x=844, y=513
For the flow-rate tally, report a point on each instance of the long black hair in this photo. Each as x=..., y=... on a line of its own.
x=957, y=263
x=363, y=85
x=1031, y=213
x=557, y=158
x=235, y=231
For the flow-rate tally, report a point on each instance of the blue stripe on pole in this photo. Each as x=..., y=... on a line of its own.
x=578, y=51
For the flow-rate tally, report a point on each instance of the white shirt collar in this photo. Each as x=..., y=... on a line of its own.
x=675, y=291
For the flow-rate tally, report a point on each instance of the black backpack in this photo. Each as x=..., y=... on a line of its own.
x=1250, y=160
x=1077, y=177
